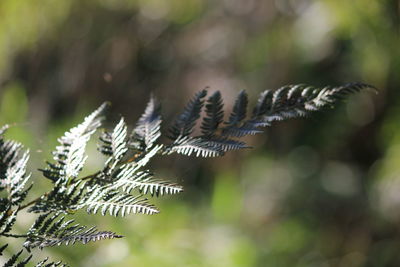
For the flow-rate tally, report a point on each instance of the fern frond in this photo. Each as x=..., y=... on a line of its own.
x=108, y=191
x=129, y=179
x=113, y=202
x=294, y=101
x=238, y=113
x=18, y=179
x=60, y=198
x=69, y=155
x=195, y=145
x=55, y=231
x=287, y=102
x=9, y=155
x=115, y=144
x=214, y=115
x=40, y=227
x=263, y=103
x=13, y=177
x=183, y=125
x=147, y=129
x=235, y=125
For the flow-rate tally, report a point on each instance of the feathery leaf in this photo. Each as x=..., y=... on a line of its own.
x=13, y=177
x=113, y=202
x=235, y=125
x=183, y=125
x=239, y=109
x=294, y=101
x=60, y=198
x=115, y=145
x=129, y=178
x=69, y=155
x=147, y=129
x=195, y=145
x=215, y=114
x=55, y=231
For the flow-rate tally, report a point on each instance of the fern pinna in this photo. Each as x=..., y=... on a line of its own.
x=124, y=185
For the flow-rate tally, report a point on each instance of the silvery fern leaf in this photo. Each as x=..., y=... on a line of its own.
x=69, y=155
x=287, y=102
x=184, y=124
x=18, y=179
x=195, y=145
x=294, y=101
x=225, y=144
x=108, y=191
x=9, y=155
x=56, y=231
x=13, y=176
x=214, y=115
x=147, y=129
x=108, y=200
x=115, y=144
x=128, y=179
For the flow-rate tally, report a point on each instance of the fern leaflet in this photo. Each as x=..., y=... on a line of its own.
x=147, y=129
x=183, y=125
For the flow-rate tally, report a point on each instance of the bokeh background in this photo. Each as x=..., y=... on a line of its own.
x=318, y=192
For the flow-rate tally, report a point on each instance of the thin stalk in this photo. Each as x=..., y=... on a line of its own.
x=15, y=236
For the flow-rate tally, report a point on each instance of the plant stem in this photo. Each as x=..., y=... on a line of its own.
x=32, y=202
x=14, y=235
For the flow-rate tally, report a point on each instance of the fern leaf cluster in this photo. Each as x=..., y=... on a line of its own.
x=13, y=173
x=147, y=129
x=70, y=156
x=124, y=185
x=56, y=230
x=220, y=136
x=14, y=260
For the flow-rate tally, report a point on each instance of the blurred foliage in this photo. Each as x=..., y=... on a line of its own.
x=318, y=192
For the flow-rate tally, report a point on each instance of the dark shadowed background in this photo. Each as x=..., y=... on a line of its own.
x=318, y=192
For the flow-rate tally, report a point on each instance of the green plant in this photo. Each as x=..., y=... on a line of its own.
x=121, y=186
